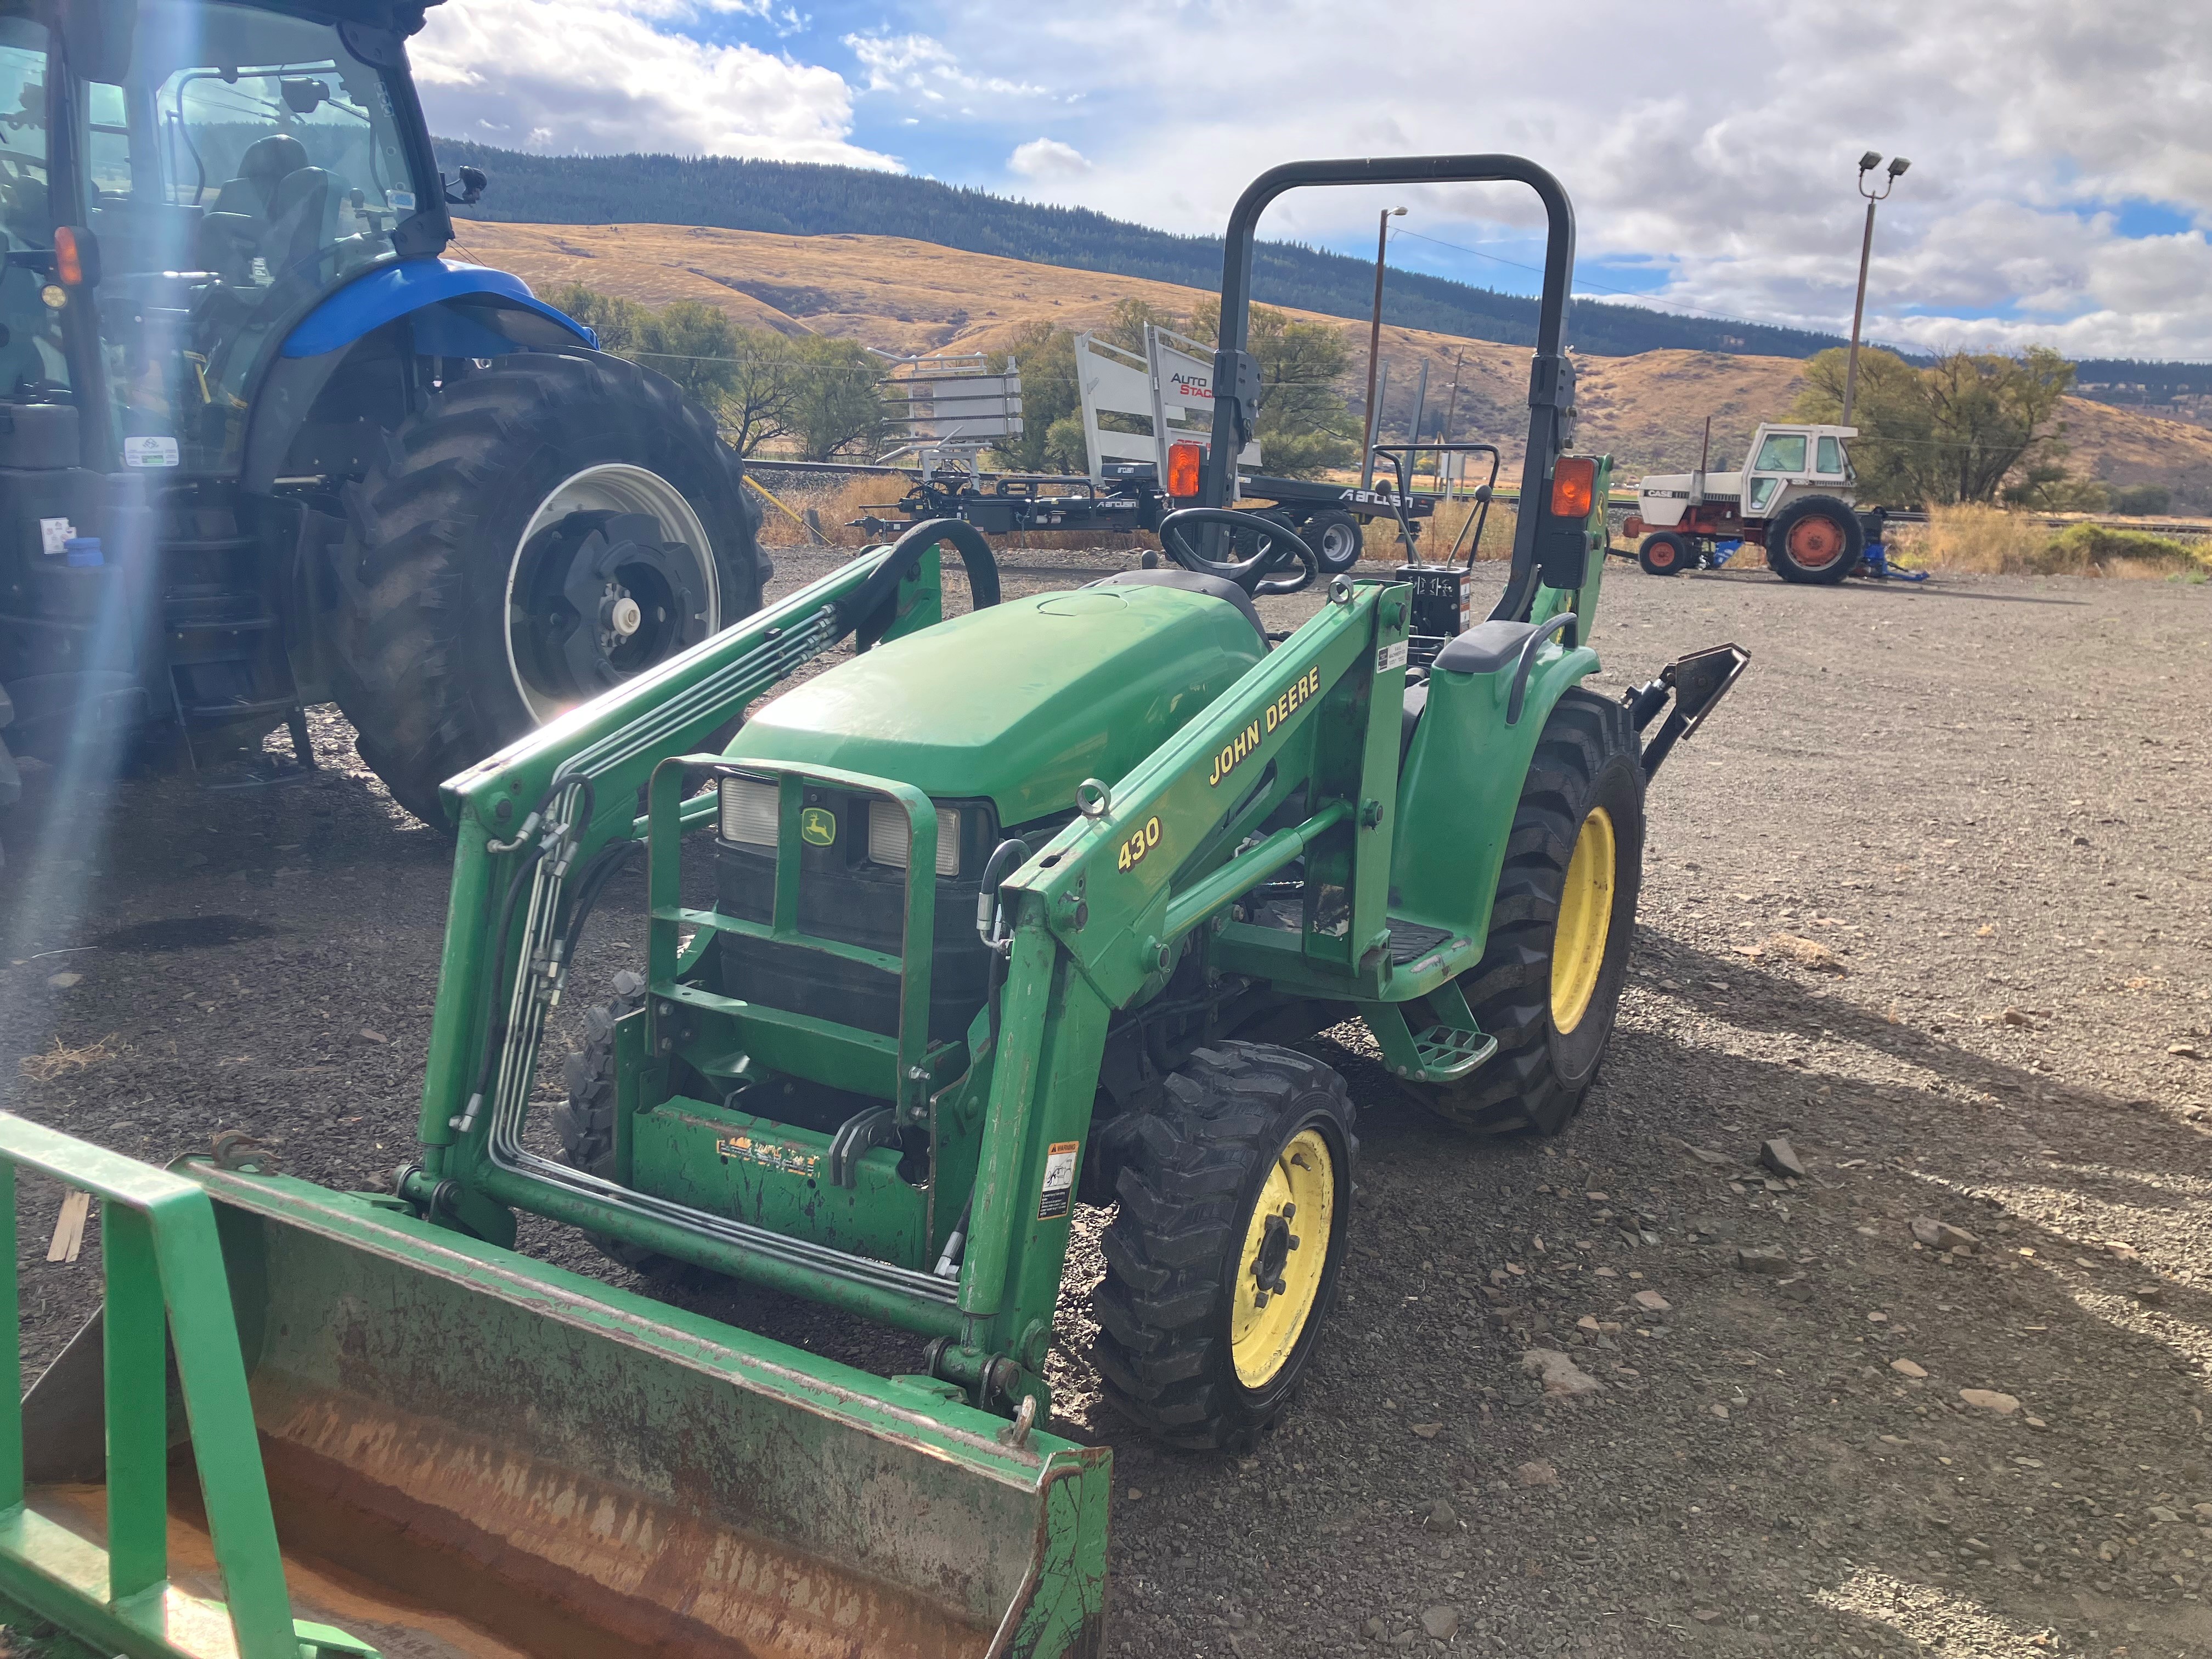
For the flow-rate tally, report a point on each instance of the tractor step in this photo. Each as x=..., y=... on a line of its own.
x=1448, y=1053
x=1442, y=1052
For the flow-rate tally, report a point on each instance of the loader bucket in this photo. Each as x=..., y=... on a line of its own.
x=470, y=1452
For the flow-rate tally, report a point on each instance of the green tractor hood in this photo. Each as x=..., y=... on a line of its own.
x=1017, y=703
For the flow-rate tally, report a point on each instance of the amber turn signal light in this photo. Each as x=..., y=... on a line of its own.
x=1574, y=487
x=1183, y=469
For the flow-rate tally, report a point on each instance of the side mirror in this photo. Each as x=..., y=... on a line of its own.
x=303, y=94
x=473, y=185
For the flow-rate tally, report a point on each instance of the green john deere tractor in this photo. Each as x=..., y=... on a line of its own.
x=1013, y=910
x=262, y=446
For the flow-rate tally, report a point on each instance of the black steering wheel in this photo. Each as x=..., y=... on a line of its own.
x=1279, y=546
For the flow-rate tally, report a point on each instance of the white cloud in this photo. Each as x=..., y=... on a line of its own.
x=917, y=62
x=1712, y=144
x=1720, y=151
x=1048, y=158
x=618, y=75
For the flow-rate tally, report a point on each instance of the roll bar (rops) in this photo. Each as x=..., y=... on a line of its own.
x=1552, y=376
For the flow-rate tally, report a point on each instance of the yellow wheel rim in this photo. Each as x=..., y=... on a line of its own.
x=1585, y=919
x=1286, y=1247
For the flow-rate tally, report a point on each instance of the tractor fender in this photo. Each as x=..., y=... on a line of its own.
x=391, y=292
x=1464, y=766
x=451, y=310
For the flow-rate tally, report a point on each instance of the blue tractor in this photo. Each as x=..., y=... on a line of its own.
x=263, y=446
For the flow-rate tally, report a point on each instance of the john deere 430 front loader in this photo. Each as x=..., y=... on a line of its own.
x=1010, y=911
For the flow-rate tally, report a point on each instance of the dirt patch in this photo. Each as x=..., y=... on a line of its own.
x=1988, y=801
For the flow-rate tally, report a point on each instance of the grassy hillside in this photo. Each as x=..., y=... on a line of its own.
x=1647, y=411
x=794, y=198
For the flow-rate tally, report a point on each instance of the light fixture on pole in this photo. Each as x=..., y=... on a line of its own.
x=1374, y=341
x=1883, y=186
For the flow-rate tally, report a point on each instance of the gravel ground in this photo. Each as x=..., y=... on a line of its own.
x=1931, y=898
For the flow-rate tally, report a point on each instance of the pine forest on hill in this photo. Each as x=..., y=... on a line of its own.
x=799, y=200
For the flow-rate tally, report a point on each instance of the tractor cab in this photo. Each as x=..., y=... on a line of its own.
x=1803, y=458
x=180, y=181
x=256, y=434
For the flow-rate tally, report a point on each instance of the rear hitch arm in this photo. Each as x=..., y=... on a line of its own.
x=1695, y=684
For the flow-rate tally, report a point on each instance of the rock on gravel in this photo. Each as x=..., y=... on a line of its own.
x=1536, y=1473
x=1442, y=1517
x=1764, y=1259
x=1989, y=1399
x=1560, y=1374
x=1779, y=1156
x=1652, y=1302
x=1906, y=1368
x=1941, y=1235
x=1443, y=1623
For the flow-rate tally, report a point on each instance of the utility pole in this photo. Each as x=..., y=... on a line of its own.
x=1868, y=163
x=1420, y=410
x=1451, y=420
x=1374, y=341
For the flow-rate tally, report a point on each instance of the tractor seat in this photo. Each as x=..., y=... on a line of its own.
x=266, y=163
x=1485, y=647
x=1190, y=582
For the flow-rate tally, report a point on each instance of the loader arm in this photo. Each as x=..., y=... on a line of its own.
x=539, y=811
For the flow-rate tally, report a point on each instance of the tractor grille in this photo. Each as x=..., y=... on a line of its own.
x=845, y=895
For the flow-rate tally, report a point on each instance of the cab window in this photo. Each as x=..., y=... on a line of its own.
x=33, y=366
x=1831, y=451
x=1783, y=451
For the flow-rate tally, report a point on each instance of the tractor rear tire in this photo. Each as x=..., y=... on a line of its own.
x=1337, y=539
x=1815, y=539
x=1548, y=985
x=468, y=541
x=1664, y=554
x=1236, y=1198
x=585, y=1124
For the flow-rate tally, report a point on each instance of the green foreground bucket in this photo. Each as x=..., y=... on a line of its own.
x=468, y=1452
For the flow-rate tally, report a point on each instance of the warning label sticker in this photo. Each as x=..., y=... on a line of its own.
x=1059, y=1179
x=1390, y=656
x=770, y=1154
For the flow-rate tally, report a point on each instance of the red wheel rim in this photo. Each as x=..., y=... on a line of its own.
x=1816, y=542
x=1662, y=555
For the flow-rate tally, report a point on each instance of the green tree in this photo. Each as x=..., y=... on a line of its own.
x=835, y=407
x=1961, y=429
x=620, y=324
x=761, y=399
x=1305, y=425
x=1045, y=357
x=694, y=344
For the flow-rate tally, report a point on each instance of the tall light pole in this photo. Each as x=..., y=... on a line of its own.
x=1868, y=163
x=1374, y=341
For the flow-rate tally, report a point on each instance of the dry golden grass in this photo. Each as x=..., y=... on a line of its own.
x=1648, y=411
x=60, y=1061
x=1978, y=540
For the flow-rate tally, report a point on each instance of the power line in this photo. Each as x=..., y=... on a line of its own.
x=1581, y=284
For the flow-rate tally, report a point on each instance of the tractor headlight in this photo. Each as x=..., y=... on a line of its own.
x=749, y=810
x=890, y=837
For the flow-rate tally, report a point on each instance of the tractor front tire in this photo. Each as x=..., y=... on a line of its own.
x=585, y=1123
x=1548, y=985
x=1664, y=554
x=1336, y=538
x=1815, y=539
x=1236, y=1199
x=541, y=531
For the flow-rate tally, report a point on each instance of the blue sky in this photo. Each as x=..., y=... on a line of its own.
x=2060, y=193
